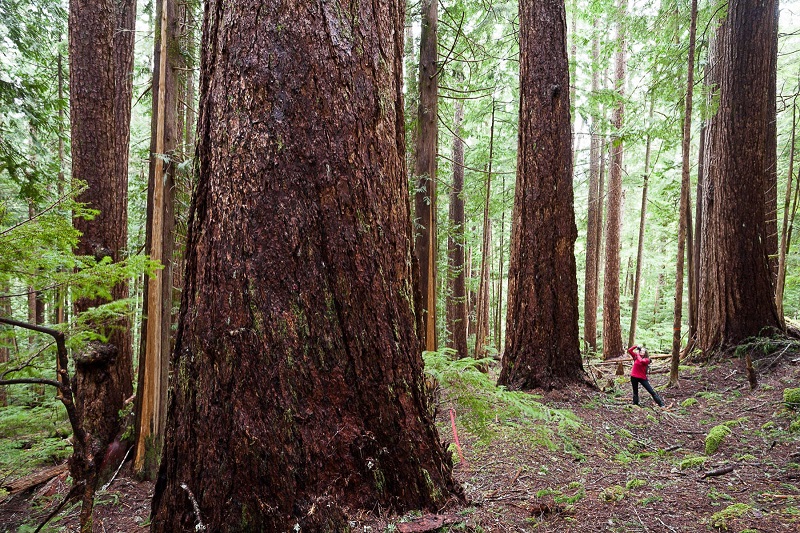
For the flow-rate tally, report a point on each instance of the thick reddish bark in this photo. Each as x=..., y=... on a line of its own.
x=298, y=387
x=736, y=299
x=542, y=347
x=457, y=295
x=100, y=116
x=425, y=172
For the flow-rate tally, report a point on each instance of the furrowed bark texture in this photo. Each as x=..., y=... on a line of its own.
x=735, y=300
x=425, y=172
x=298, y=386
x=542, y=346
x=457, y=297
x=100, y=115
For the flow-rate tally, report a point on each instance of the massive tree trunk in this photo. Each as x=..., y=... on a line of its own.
x=298, y=387
x=771, y=153
x=425, y=172
x=593, y=214
x=100, y=115
x=542, y=345
x=155, y=346
x=612, y=332
x=457, y=295
x=736, y=297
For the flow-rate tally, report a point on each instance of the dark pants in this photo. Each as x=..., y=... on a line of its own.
x=635, y=382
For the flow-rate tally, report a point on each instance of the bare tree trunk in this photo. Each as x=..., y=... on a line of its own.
x=482, y=306
x=457, y=295
x=155, y=342
x=698, y=231
x=771, y=152
x=498, y=330
x=640, y=249
x=736, y=292
x=593, y=232
x=542, y=344
x=677, y=317
x=425, y=172
x=784, y=247
x=289, y=405
x=612, y=334
x=101, y=55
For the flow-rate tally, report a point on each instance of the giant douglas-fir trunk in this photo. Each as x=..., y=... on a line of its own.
x=298, y=384
x=542, y=347
x=101, y=56
x=735, y=286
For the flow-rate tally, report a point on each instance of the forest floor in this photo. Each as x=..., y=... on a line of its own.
x=579, y=459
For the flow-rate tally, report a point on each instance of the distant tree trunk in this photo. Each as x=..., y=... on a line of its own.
x=289, y=404
x=593, y=232
x=482, y=305
x=155, y=343
x=498, y=330
x=542, y=344
x=457, y=295
x=784, y=247
x=425, y=171
x=677, y=316
x=771, y=151
x=698, y=229
x=612, y=333
x=640, y=249
x=5, y=351
x=657, y=297
x=60, y=296
x=736, y=297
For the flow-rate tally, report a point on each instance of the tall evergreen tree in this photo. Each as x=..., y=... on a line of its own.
x=542, y=346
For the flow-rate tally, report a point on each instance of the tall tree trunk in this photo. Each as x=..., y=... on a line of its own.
x=482, y=305
x=288, y=404
x=542, y=345
x=640, y=249
x=771, y=151
x=5, y=342
x=155, y=345
x=594, y=212
x=498, y=330
x=736, y=296
x=60, y=296
x=612, y=332
x=677, y=316
x=784, y=247
x=425, y=172
x=101, y=54
x=457, y=295
x=698, y=230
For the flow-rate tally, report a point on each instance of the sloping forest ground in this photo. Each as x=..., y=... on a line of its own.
x=581, y=459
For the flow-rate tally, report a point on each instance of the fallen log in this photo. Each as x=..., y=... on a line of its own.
x=35, y=479
x=727, y=469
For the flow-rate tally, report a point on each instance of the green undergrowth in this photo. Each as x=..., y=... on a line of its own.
x=32, y=437
x=488, y=411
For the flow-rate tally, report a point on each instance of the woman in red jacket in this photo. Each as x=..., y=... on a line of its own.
x=639, y=374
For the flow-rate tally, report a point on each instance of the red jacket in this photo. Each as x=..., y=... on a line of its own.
x=640, y=364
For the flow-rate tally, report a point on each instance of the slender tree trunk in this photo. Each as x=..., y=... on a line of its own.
x=482, y=306
x=698, y=229
x=677, y=317
x=736, y=293
x=155, y=342
x=784, y=248
x=288, y=405
x=593, y=232
x=498, y=330
x=542, y=344
x=5, y=341
x=60, y=296
x=425, y=172
x=640, y=249
x=457, y=295
x=612, y=334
